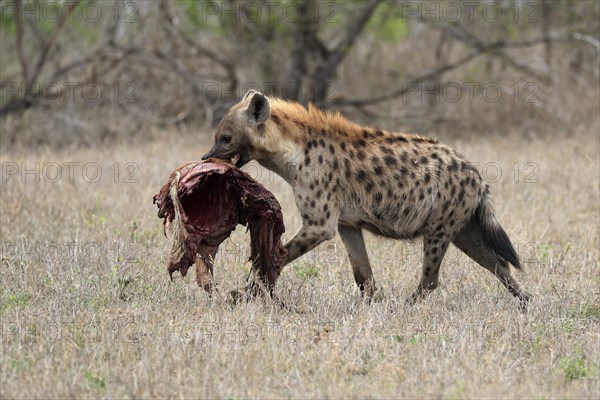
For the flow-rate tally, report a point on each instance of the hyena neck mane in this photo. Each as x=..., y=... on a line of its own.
x=292, y=128
x=291, y=121
x=301, y=124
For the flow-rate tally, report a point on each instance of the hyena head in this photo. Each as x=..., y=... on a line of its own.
x=240, y=134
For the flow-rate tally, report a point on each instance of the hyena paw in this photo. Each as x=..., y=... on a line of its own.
x=415, y=298
x=369, y=291
x=244, y=294
x=251, y=292
x=238, y=296
x=524, y=300
x=375, y=295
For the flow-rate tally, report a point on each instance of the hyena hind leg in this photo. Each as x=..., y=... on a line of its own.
x=359, y=259
x=470, y=241
x=435, y=245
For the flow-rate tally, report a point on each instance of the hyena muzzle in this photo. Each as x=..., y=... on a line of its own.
x=348, y=178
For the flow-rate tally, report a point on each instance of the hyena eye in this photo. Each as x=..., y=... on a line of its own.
x=226, y=139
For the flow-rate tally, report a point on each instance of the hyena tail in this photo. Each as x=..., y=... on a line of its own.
x=494, y=236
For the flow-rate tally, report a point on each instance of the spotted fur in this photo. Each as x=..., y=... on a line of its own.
x=348, y=178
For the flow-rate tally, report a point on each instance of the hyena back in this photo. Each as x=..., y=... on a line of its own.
x=347, y=178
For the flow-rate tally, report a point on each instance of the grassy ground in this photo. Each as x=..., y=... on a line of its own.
x=87, y=309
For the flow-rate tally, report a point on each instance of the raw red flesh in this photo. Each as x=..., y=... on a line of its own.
x=215, y=196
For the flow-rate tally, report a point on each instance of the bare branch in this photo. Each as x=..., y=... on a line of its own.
x=98, y=55
x=353, y=30
x=459, y=32
x=20, y=34
x=481, y=49
x=432, y=75
x=173, y=29
x=330, y=59
x=587, y=39
x=304, y=30
x=16, y=103
x=50, y=43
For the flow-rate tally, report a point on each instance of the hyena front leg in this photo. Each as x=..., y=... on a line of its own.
x=307, y=238
x=434, y=248
x=359, y=259
x=313, y=232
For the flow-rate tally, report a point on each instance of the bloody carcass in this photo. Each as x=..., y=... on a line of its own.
x=202, y=203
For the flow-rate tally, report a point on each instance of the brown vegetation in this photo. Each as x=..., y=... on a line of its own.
x=101, y=318
x=86, y=309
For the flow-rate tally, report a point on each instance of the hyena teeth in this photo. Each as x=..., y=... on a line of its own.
x=235, y=159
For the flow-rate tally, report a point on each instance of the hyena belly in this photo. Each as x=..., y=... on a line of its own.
x=408, y=186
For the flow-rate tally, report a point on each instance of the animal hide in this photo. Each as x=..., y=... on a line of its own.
x=203, y=202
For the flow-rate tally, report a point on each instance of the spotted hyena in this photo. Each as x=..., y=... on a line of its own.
x=348, y=177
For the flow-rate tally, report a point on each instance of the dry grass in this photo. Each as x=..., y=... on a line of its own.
x=100, y=318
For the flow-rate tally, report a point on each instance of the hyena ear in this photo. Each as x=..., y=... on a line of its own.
x=259, y=108
x=249, y=94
